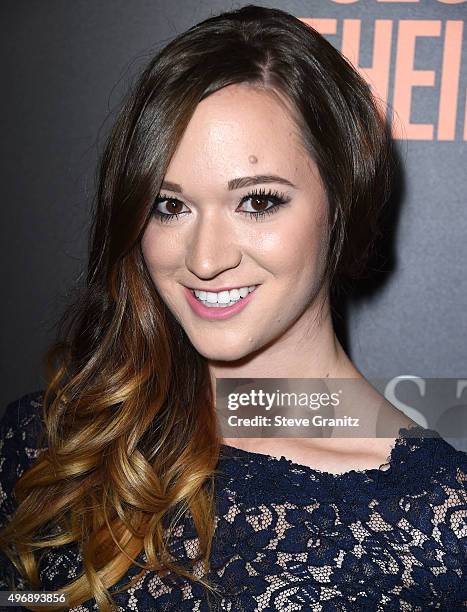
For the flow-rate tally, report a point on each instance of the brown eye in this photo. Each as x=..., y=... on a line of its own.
x=173, y=207
x=259, y=203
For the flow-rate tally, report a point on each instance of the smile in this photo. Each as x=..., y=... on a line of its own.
x=223, y=299
x=211, y=305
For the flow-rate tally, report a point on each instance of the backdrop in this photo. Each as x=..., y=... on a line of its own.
x=66, y=66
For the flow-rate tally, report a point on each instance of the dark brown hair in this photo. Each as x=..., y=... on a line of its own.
x=129, y=414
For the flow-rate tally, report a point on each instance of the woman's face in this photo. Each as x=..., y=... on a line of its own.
x=235, y=135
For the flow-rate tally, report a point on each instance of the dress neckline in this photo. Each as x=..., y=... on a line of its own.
x=397, y=450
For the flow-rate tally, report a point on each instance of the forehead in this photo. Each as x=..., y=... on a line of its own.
x=235, y=127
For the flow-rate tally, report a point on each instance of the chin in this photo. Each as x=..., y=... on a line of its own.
x=224, y=352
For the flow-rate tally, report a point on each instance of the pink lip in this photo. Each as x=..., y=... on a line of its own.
x=216, y=313
x=217, y=289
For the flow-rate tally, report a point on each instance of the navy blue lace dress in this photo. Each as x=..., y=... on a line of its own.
x=290, y=537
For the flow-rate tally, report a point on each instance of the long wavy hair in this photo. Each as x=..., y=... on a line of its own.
x=129, y=414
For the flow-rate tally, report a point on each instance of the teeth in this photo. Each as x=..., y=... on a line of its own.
x=223, y=298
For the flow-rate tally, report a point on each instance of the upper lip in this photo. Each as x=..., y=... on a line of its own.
x=219, y=289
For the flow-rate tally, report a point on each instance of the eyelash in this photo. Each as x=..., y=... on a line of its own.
x=278, y=199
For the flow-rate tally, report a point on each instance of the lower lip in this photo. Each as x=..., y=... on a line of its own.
x=217, y=312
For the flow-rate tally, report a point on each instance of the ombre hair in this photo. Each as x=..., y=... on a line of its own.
x=129, y=412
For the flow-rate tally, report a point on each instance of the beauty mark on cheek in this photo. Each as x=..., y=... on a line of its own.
x=253, y=159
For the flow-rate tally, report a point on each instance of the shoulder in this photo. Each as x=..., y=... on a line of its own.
x=435, y=457
x=431, y=476
x=23, y=416
x=447, y=468
x=422, y=456
x=21, y=428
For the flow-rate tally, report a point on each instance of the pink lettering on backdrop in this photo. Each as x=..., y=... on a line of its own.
x=378, y=74
x=450, y=74
x=444, y=87
x=406, y=77
x=323, y=26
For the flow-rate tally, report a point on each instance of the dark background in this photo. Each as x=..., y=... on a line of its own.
x=66, y=66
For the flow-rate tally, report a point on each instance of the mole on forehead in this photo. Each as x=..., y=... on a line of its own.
x=253, y=159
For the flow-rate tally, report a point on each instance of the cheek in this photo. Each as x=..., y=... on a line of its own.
x=312, y=239
x=160, y=254
x=161, y=261
x=297, y=249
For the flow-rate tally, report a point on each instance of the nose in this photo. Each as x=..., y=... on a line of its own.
x=213, y=246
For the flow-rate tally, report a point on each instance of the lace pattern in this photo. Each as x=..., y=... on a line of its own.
x=291, y=537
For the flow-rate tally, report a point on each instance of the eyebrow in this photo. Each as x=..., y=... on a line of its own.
x=237, y=183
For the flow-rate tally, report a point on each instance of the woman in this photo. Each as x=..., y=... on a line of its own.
x=250, y=157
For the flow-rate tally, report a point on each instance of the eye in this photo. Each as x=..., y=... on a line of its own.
x=258, y=198
x=173, y=205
